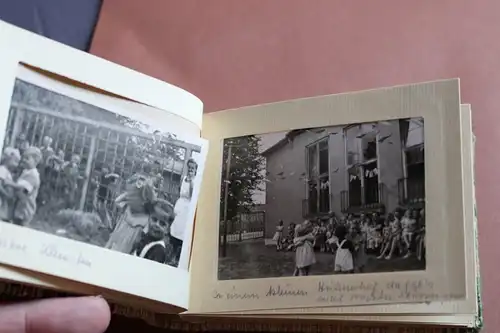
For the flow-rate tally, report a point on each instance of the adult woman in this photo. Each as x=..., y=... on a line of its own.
x=181, y=208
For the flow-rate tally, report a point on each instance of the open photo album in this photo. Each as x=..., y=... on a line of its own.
x=351, y=207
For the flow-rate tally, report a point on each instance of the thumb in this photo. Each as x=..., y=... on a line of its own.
x=57, y=315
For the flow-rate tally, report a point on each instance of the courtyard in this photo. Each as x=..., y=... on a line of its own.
x=252, y=259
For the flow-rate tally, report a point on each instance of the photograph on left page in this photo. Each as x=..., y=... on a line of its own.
x=79, y=171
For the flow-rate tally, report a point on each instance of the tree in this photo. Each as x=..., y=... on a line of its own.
x=245, y=174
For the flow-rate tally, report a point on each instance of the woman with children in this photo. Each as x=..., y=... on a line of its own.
x=352, y=240
x=147, y=226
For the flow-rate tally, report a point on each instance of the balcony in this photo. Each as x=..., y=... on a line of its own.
x=364, y=198
x=411, y=191
x=312, y=208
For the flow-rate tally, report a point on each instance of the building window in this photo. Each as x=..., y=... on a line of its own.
x=414, y=161
x=362, y=165
x=318, y=194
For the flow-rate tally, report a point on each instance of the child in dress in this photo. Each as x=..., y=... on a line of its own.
x=304, y=253
x=181, y=208
x=395, y=239
x=408, y=223
x=386, y=235
x=26, y=187
x=359, y=254
x=137, y=202
x=373, y=235
x=8, y=164
x=278, y=235
x=344, y=262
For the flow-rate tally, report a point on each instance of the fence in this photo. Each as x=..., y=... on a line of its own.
x=245, y=226
x=120, y=146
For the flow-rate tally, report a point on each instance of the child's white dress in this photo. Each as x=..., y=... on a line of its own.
x=343, y=259
x=278, y=235
x=304, y=254
x=181, y=210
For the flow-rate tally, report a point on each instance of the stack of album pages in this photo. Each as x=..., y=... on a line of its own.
x=351, y=207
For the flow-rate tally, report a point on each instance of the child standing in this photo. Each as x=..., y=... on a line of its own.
x=9, y=163
x=344, y=262
x=409, y=224
x=27, y=186
x=395, y=239
x=304, y=253
x=72, y=175
x=386, y=234
x=359, y=254
x=278, y=235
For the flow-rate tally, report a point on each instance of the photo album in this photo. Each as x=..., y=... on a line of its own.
x=320, y=208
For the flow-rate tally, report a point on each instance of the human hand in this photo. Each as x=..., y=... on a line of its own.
x=57, y=315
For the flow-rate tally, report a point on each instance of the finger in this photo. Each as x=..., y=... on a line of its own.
x=69, y=315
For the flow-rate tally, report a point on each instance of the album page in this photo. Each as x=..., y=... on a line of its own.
x=98, y=180
x=333, y=201
x=459, y=312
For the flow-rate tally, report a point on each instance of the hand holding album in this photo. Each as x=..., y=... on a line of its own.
x=311, y=208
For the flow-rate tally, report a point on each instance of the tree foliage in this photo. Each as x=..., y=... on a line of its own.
x=245, y=174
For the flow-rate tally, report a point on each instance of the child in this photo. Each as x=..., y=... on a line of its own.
x=27, y=186
x=104, y=194
x=420, y=238
x=344, y=263
x=278, y=235
x=181, y=208
x=386, y=234
x=359, y=254
x=22, y=143
x=304, y=253
x=155, y=243
x=9, y=163
x=137, y=201
x=72, y=175
x=408, y=224
x=395, y=239
x=373, y=234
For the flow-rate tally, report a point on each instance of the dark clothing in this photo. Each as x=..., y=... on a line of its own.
x=177, y=245
x=159, y=252
x=347, y=245
x=103, y=192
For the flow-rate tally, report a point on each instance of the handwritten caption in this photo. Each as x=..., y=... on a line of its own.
x=50, y=251
x=334, y=292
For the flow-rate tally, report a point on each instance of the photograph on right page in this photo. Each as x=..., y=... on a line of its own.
x=320, y=201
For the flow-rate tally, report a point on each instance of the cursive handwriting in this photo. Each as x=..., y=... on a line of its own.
x=13, y=245
x=81, y=260
x=51, y=251
x=235, y=295
x=279, y=291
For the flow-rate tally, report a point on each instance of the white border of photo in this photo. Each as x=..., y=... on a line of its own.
x=144, y=99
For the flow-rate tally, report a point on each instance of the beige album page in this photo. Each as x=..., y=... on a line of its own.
x=332, y=201
x=454, y=312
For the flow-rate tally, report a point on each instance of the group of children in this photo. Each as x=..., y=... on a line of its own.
x=353, y=239
x=146, y=226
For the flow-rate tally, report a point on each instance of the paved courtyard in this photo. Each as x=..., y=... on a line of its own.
x=252, y=259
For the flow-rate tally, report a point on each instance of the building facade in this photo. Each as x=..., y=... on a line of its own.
x=362, y=168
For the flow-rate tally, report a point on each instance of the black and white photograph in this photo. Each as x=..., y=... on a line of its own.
x=321, y=201
x=79, y=171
